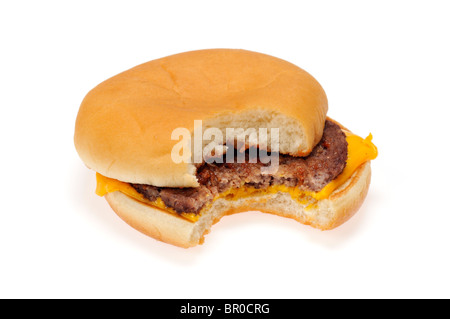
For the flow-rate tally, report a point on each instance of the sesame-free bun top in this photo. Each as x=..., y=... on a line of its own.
x=124, y=125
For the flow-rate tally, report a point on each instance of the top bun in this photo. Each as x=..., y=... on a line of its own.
x=124, y=125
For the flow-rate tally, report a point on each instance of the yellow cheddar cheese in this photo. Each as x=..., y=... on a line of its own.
x=108, y=185
x=359, y=151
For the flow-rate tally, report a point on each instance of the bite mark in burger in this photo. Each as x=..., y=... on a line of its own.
x=123, y=132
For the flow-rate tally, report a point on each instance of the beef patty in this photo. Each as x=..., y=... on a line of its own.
x=325, y=162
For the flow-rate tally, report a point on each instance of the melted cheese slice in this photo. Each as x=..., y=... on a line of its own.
x=107, y=185
x=359, y=151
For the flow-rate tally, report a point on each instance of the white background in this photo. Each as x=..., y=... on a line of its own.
x=385, y=67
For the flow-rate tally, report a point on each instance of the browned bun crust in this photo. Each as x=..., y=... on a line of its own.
x=170, y=228
x=124, y=125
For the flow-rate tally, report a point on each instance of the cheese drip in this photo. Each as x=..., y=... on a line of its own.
x=359, y=151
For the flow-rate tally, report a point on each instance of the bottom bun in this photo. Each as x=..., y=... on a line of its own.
x=170, y=228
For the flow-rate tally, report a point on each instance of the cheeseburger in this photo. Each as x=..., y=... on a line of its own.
x=181, y=141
